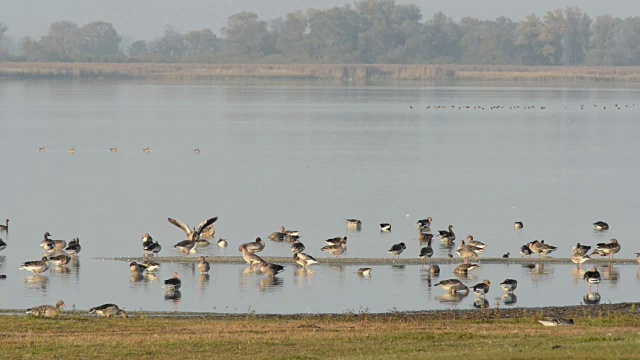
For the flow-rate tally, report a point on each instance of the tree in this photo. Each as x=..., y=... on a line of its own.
x=138, y=48
x=62, y=42
x=528, y=43
x=201, y=44
x=245, y=36
x=607, y=33
x=575, y=36
x=290, y=39
x=333, y=34
x=172, y=46
x=550, y=37
x=99, y=39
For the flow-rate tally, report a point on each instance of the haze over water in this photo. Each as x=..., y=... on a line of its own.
x=306, y=156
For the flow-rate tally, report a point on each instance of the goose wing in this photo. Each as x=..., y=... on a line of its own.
x=181, y=225
x=204, y=224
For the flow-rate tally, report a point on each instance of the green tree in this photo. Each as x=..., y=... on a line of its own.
x=99, y=39
x=61, y=42
x=575, y=36
x=245, y=36
x=550, y=37
x=527, y=40
x=333, y=34
x=607, y=33
x=290, y=39
x=172, y=46
x=201, y=45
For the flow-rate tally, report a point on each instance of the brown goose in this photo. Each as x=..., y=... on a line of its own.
x=397, y=249
x=424, y=224
x=608, y=249
x=601, y=225
x=174, y=283
x=192, y=235
x=447, y=235
x=150, y=247
x=482, y=288
x=304, y=260
x=47, y=310
x=452, y=285
x=250, y=257
x=335, y=250
x=60, y=260
x=203, y=265
x=253, y=247
x=427, y=252
x=271, y=269
x=74, y=247
x=36, y=266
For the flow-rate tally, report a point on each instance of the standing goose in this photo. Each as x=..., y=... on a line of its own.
x=203, y=265
x=47, y=310
x=579, y=259
x=336, y=249
x=525, y=250
x=466, y=252
x=426, y=251
x=482, y=288
x=539, y=247
x=608, y=248
x=193, y=235
x=74, y=247
x=601, y=225
x=253, y=247
x=250, y=257
x=397, y=249
x=424, y=224
x=475, y=243
x=447, y=235
x=47, y=244
x=174, y=283
x=424, y=237
x=336, y=240
x=509, y=285
x=108, y=310
x=580, y=249
x=5, y=227
x=150, y=247
x=592, y=277
x=452, y=285
x=297, y=247
x=271, y=269
x=36, y=266
x=385, y=227
x=304, y=260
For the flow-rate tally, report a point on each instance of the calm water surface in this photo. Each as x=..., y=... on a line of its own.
x=306, y=157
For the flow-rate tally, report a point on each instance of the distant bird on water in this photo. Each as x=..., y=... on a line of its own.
x=196, y=151
x=36, y=266
x=364, y=271
x=385, y=227
x=518, y=225
x=146, y=150
x=447, y=235
x=427, y=252
x=174, y=283
x=424, y=224
x=113, y=149
x=353, y=223
x=600, y=225
x=203, y=265
x=72, y=150
x=482, y=288
x=509, y=285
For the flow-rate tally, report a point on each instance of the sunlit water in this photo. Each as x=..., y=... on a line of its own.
x=306, y=157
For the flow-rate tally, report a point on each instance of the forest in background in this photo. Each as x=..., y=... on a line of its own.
x=367, y=32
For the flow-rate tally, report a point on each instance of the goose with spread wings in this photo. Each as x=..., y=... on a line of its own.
x=193, y=235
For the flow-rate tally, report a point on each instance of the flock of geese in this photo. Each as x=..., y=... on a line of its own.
x=60, y=253
x=72, y=150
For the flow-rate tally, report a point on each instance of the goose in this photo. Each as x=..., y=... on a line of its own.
x=196, y=151
x=47, y=310
x=447, y=235
x=556, y=322
x=209, y=231
x=385, y=227
x=601, y=225
x=250, y=257
x=136, y=268
x=278, y=236
x=150, y=247
x=253, y=247
x=189, y=245
x=592, y=277
x=353, y=223
x=434, y=269
x=36, y=266
x=108, y=310
x=509, y=285
x=60, y=260
x=113, y=149
x=525, y=250
x=304, y=260
x=174, y=283
x=464, y=269
x=475, y=243
x=364, y=271
x=424, y=224
x=481, y=289
x=297, y=247
x=3, y=245
x=580, y=249
x=42, y=149
x=47, y=244
x=518, y=225
x=539, y=247
x=150, y=266
x=452, y=286
x=203, y=265
x=579, y=259
x=506, y=256
x=427, y=252
x=222, y=243
x=146, y=150
x=637, y=256
x=336, y=240
x=466, y=252
x=397, y=249
x=5, y=227
x=74, y=247
x=608, y=248
x=271, y=269
x=72, y=150
x=335, y=250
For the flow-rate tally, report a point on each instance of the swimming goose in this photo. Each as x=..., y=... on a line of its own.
x=174, y=283
x=525, y=250
x=452, y=286
x=506, y=256
x=509, y=285
x=47, y=310
x=196, y=151
x=203, y=265
x=426, y=251
x=3, y=245
x=47, y=244
x=36, y=266
x=5, y=227
x=518, y=225
x=424, y=224
x=464, y=269
x=136, y=268
x=113, y=149
x=384, y=227
x=353, y=223
x=60, y=260
x=580, y=249
x=579, y=259
x=74, y=247
x=271, y=269
x=592, y=277
x=250, y=257
x=292, y=233
x=72, y=150
x=364, y=272
x=608, y=248
x=600, y=225
x=222, y=243
x=466, y=252
x=336, y=240
x=194, y=234
x=304, y=260
x=556, y=322
x=277, y=236
x=482, y=288
x=253, y=247
x=150, y=266
x=108, y=310
x=42, y=149
x=337, y=249
x=150, y=247
x=447, y=235
x=434, y=269
x=397, y=249
x=297, y=247
x=146, y=150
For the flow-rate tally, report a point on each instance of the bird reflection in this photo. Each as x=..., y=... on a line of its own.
x=577, y=275
x=2, y=258
x=304, y=272
x=203, y=280
x=188, y=268
x=150, y=277
x=452, y=298
x=37, y=282
x=135, y=277
x=465, y=276
x=398, y=267
x=250, y=270
x=481, y=303
x=592, y=298
x=509, y=298
x=610, y=273
x=270, y=284
x=59, y=270
x=173, y=296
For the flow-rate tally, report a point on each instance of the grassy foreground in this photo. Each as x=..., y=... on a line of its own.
x=442, y=335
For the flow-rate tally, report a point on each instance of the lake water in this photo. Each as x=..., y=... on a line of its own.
x=307, y=156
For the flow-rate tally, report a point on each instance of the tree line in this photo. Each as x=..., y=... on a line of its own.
x=367, y=32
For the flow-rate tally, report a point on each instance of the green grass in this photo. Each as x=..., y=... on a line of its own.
x=402, y=336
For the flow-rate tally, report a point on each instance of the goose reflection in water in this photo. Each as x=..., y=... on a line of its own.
x=37, y=282
x=136, y=277
x=452, y=298
x=174, y=296
x=59, y=270
x=203, y=280
x=398, y=267
x=270, y=284
x=481, y=303
x=304, y=272
x=610, y=273
x=509, y=299
x=577, y=275
x=592, y=298
x=465, y=276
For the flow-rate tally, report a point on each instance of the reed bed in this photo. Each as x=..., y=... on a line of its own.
x=346, y=72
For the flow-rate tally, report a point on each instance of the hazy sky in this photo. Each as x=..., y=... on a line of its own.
x=146, y=18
